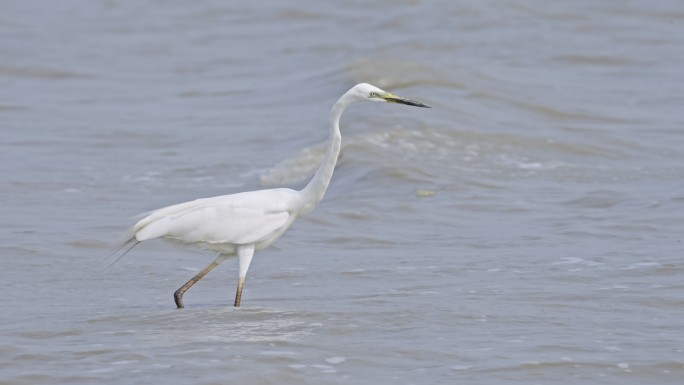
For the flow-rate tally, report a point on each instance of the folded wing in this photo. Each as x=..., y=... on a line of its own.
x=212, y=224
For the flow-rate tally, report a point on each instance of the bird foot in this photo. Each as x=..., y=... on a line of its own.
x=178, y=298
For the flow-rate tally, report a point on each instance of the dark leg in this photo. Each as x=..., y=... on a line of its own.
x=238, y=293
x=178, y=295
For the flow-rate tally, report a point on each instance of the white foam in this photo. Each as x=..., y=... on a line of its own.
x=642, y=265
x=335, y=360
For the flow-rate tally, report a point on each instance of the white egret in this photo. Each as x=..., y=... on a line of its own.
x=240, y=224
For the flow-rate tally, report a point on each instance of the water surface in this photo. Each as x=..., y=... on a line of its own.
x=526, y=230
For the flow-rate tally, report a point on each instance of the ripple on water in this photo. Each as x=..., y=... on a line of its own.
x=167, y=328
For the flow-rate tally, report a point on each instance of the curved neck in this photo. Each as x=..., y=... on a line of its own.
x=314, y=191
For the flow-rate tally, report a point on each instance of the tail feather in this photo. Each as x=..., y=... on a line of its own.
x=121, y=250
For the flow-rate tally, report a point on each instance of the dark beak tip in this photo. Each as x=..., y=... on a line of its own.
x=407, y=102
x=415, y=103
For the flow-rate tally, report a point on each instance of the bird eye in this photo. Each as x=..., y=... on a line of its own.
x=373, y=95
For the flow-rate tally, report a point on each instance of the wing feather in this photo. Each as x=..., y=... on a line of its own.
x=232, y=225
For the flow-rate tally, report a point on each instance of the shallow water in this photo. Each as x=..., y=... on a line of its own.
x=526, y=230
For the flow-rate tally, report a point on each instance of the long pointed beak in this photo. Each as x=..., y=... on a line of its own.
x=391, y=98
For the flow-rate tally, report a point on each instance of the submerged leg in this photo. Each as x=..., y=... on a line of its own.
x=245, y=254
x=178, y=295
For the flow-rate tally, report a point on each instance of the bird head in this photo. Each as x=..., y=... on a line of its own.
x=365, y=91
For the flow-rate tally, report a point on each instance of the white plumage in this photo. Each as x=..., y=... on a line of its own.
x=238, y=224
x=219, y=223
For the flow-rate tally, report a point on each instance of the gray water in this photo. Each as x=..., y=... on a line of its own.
x=526, y=230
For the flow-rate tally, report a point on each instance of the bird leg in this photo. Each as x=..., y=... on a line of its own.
x=245, y=254
x=178, y=295
x=238, y=293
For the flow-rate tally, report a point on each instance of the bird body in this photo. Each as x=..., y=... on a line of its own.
x=241, y=223
x=220, y=223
